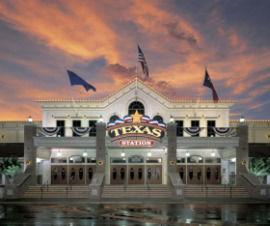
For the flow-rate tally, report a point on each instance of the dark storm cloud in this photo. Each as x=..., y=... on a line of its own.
x=177, y=33
x=120, y=70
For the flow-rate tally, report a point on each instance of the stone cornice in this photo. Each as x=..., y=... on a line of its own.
x=65, y=142
x=207, y=142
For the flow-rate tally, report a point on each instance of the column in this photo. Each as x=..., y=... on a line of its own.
x=100, y=147
x=171, y=160
x=30, y=152
x=242, y=160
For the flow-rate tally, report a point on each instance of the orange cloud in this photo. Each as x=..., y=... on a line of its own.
x=176, y=50
x=76, y=29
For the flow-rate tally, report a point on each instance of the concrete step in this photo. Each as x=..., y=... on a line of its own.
x=57, y=192
x=133, y=191
x=215, y=191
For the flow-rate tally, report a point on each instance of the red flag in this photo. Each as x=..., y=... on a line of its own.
x=208, y=83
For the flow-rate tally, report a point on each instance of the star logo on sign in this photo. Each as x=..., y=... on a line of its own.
x=136, y=116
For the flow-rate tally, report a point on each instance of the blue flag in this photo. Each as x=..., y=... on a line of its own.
x=77, y=80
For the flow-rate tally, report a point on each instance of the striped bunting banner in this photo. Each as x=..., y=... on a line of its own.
x=49, y=131
x=81, y=130
x=193, y=130
x=222, y=131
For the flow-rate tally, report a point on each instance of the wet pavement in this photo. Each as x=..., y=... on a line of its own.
x=74, y=213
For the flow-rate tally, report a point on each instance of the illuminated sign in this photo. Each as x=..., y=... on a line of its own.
x=134, y=143
x=136, y=130
x=136, y=125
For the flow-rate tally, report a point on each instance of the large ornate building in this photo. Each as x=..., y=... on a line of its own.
x=137, y=136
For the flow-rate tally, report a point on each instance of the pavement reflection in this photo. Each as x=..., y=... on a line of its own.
x=134, y=214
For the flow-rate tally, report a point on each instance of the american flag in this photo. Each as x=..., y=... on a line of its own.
x=142, y=60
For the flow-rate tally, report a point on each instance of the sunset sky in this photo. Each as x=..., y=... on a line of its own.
x=41, y=39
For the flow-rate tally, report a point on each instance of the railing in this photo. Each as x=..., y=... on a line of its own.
x=180, y=132
x=205, y=131
x=66, y=131
x=96, y=185
x=251, y=180
x=176, y=185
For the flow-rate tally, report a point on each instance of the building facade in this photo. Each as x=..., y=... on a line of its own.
x=205, y=151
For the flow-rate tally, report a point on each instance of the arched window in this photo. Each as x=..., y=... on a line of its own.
x=113, y=118
x=158, y=118
x=136, y=105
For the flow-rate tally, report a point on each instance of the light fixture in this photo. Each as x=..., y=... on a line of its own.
x=149, y=154
x=100, y=119
x=30, y=119
x=187, y=154
x=123, y=154
x=233, y=159
x=242, y=119
x=38, y=160
x=171, y=119
x=84, y=154
x=58, y=154
x=213, y=154
x=200, y=158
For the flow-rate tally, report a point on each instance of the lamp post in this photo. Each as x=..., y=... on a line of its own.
x=242, y=119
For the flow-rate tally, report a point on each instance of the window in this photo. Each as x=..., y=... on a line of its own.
x=61, y=124
x=76, y=159
x=118, y=160
x=135, y=159
x=76, y=123
x=58, y=160
x=113, y=118
x=93, y=130
x=158, y=118
x=179, y=128
x=195, y=159
x=153, y=160
x=210, y=130
x=91, y=160
x=136, y=105
x=195, y=123
x=181, y=160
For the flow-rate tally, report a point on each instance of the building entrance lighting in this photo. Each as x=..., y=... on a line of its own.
x=84, y=154
x=171, y=119
x=58, y=154
x=30, y=119
x=242, y=119
x=149, y=154
x=213, y=154
x=187, y=154
x=123, y=154
x=100, y=119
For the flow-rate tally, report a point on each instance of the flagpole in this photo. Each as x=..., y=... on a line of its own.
x=136, y=77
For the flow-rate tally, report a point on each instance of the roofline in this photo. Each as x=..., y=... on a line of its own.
x=183, y=100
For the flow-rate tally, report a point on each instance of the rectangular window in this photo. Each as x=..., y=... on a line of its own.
x=179, y=128
x=210, y=125
x=76, y=123
x=195, y=123
x=61, y=125
x=93, y=130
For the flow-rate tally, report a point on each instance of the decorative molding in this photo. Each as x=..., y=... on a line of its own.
x=65, y=142
x=207, y=142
